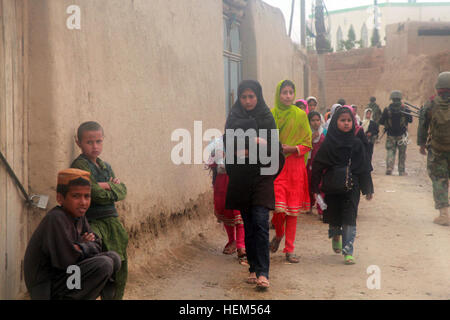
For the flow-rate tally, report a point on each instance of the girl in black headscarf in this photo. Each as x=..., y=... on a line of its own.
x=340, y=144
x=250, y=188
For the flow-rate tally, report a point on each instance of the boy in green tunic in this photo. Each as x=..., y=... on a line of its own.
x=106, y=190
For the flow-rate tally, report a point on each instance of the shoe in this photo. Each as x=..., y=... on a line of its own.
x=292, y=258
x=252, y=279
x=242, y=257
x=349, y=259
x=274, y=244
x=388, y=172
x=443, y=218
x=262, y=283
x=403, y=174
x=230, y=248
x=336, y=245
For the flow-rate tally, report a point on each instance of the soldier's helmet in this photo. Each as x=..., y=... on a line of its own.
x=396, y=95
x=373, y=99
x=443, y=81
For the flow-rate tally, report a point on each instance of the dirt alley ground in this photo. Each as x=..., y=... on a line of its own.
x=394, y=232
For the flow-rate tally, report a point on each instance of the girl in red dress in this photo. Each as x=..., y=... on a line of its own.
x=231, y=219
x=291, y=186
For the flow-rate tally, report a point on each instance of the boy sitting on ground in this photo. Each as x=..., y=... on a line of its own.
x=64, y=238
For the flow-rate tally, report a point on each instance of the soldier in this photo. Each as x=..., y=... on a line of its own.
x=375, y=109
x=395, y=121
x=433, y=137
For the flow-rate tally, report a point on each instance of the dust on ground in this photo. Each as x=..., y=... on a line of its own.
x=394, y=232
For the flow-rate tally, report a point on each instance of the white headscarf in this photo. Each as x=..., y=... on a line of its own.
x=333, y=110
x=366, y=122
x=320, y=130
x=216, y=152
x=311, y=98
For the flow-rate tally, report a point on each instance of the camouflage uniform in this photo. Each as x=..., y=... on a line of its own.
x=438, y=167
x=392, y=144
x=434, y=133
x=438, y=161
x=396, y=126
x=376, y=115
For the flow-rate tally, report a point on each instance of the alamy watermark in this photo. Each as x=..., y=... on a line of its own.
x=374, y=280
x=73, y=22
x=74, y=280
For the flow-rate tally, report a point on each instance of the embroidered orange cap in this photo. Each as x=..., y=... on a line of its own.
x=67, y=175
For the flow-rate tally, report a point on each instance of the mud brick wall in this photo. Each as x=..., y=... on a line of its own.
x=351, y=75
x=444, y=62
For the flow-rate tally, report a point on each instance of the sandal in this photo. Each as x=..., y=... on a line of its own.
x=274, y=244
x=292, y=258
x=242, y=257
x=262, y=283
x=252, y=279
x=230, y=248
x=349, y=259
x=336, y=245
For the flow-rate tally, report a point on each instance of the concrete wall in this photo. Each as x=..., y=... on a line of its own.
x=13, y=145
x=269, y=54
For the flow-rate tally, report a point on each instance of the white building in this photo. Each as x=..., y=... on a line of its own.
x=363, y=19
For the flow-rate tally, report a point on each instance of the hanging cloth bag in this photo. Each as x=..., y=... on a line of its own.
x=338, y=179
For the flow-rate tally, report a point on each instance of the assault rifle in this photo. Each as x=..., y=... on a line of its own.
x=413, y=113
x=410, y=105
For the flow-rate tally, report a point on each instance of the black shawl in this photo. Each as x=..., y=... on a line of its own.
x=336, y=150
x=247, y=187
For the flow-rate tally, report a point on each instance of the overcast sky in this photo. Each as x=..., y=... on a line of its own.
x=285, y=6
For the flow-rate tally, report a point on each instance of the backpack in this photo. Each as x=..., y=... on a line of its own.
x=440, y=126
x=403, y=121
